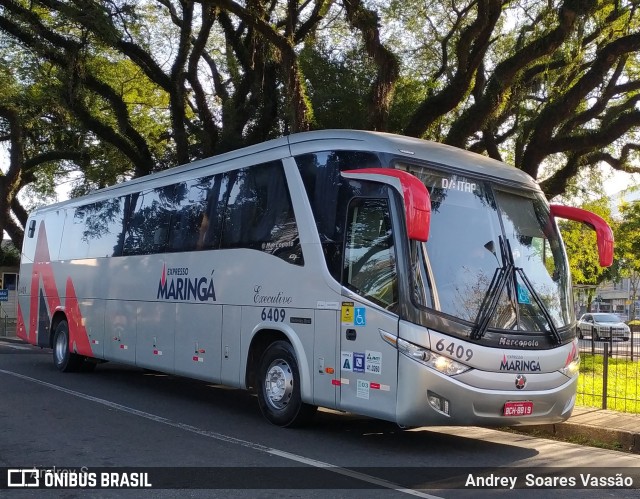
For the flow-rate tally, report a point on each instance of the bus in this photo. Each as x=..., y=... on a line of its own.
x=363, y=272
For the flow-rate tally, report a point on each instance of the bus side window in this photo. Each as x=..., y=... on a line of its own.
x=194, y=217
x=259, y=214
x=147, y=230
x=370, y=266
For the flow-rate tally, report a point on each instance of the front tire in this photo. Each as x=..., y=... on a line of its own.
x=279, y=387
x=63, y=358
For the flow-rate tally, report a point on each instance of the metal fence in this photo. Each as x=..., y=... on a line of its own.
x=610, y=373
x=7, y=326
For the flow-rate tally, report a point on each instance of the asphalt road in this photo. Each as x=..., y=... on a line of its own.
x=120, y=416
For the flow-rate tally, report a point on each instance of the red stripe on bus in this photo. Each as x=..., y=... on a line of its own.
x=41, y=270
x=78, y=337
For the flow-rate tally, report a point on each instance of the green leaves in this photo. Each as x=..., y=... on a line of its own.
x=113, y=90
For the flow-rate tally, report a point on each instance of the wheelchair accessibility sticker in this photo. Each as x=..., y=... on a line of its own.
x=360, y=316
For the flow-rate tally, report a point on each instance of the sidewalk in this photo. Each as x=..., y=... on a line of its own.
x=611, y=429
x=619, y=430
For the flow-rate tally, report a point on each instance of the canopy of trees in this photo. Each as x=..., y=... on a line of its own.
x=112, y=89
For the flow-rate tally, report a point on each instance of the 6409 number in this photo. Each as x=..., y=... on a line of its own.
x=454, y=350
x=273, y=314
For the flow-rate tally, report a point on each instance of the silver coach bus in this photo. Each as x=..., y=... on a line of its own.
x=365, y=272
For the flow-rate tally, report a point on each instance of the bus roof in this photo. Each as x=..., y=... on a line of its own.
x=411, y=147
x=323, y=140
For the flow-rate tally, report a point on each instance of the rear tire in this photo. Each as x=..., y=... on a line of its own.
x=63, y=358
x=279, y=387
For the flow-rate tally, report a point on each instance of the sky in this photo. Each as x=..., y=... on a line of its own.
x=616, y=181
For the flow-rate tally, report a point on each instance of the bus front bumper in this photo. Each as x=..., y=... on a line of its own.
x=430, y=398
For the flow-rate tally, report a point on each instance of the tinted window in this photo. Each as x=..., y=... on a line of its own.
x=93, y=230
x=259, y=214
x=370, y=268
x=329, y=196
x=195, y=222
x=247, y=208
x=147, y=228
x=75, y=243
x=9, y=281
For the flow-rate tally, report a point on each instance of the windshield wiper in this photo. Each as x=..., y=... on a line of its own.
x=497, y=285
x=545, y=312
x=494, y=291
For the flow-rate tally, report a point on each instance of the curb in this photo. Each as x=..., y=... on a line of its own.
x=627, y=441
x=12, y=339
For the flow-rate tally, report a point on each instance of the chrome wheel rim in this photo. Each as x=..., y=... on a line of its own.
x=61, y=347
x=278, y=384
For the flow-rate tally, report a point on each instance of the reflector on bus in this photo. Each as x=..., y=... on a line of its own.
x=417, y=203
x=604, y=234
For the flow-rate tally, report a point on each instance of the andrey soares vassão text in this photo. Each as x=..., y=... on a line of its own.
x=580, y=480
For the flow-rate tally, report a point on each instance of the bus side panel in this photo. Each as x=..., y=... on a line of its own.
x=325, y=353
x=86, y=326
x=257, y=320
x=23, y=327
x=370, y=379
x=120, y=331
x=197, y=341
x=39, y=290
x=155, y=335
x=231, y=351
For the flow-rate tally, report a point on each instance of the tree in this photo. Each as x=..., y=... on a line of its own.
x=137, y=86
x=582, y=249
x=554, y=93
x=628, y=250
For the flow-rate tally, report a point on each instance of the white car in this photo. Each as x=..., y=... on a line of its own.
x=602, y=326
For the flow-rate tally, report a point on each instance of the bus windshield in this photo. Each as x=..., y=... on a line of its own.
x=484, y=232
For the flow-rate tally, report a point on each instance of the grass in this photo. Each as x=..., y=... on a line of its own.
x=622, y=386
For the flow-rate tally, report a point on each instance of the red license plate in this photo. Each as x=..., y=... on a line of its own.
x=518, y=408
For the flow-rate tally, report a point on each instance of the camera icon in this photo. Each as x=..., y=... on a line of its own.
x=23, y=477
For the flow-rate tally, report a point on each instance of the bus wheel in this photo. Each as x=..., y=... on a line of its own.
x=279, y=387
x=63, y=359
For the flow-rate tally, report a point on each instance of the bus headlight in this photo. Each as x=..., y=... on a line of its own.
x=440, y=363
x=572, y=365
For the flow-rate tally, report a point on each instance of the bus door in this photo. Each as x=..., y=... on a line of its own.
x=368, y=365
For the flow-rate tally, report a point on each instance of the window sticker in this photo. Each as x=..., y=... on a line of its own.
x=523, y=295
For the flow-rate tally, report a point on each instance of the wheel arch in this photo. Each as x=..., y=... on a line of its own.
x=264, y=335
x=58, y=316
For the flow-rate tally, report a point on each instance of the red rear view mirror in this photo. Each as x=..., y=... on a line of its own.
x=604, y=233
